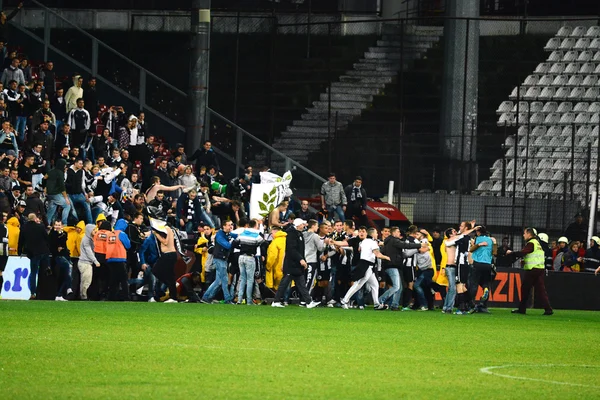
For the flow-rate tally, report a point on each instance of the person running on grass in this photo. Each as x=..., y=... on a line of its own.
x=164, y=269
x=363, y=274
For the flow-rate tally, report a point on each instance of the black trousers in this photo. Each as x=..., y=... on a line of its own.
x=118, y=288
x=356, y=211
x=300, y=285
x=164, y=270
x=481, y=275
x=188, y=290
x=534, y=278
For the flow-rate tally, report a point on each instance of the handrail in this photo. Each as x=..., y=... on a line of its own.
x=268, y=147
x=107, y=82
x=116, y=52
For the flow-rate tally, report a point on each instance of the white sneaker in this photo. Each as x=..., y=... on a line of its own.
x=331, y=302
x=277, y=305
x=313, y=304
x=170, y=301
x=344, y=304
x=423, y=309
x=141, y=275
x=60, y=298
x=285, y=304
x=140, y=290
x=152, y=300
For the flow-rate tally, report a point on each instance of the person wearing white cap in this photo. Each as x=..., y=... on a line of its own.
x=592, y=255
x=563, y=242
x=294, y=265
x=547, y=250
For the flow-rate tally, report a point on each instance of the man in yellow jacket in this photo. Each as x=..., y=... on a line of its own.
x=75, y=235
x=275, y=255
x=14, y=230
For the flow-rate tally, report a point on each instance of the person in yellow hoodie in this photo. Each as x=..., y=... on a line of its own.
x=201, y=250
x=14, y=230
x=75, y=235
x=275, y=255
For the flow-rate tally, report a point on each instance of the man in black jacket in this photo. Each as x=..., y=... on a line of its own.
x=392, y=247
x=74, y=185
x=33, y=241
x=146, y=157
x=357, y=202
x=294, y=265
x=205, y=157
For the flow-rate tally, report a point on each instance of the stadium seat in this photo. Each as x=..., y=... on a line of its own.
x=485, y=186
x=566, y=44
x=559, y=188
x=595, y=44
x=497, y=174
x=545, y=165
x=575, y=80
x=534, y=92
x=539, y=131
x=537, y=118
x=497, y=187
x=549, y=107
x=505, y=106
x=523, y=140
x=581, y=107
x=532, y=187
x=594, y=107
x=570, y=56
x=556, y=56
x=592, y=94
x=578, y=31
x=582, y=44
x=506, y=119
x=585, y=56
x=544, y=153
x=554, y=130
x=584, y=131
x=553, y=44
x=532, y=80
x=542, y=68
x=593, y=31
x=552, y=119
x=595, y=134
x=523, y=118
x=561, y=94
x=514, y=96
x=563, y=107
x=594, y=118
x=546, y=187
x=546, y=80
x=577, y=93
x=556, y=141
x=564, y=32
x=596, y=57
x=581, y=118
x=567, y=131
x=536, y=106
x=572, y=68
x=556, y=68
x=587, y=68
x=590, y=80
x=545, y=175
x=597, y=70
x=521, y=106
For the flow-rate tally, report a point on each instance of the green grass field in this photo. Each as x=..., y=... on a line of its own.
x=51, y=350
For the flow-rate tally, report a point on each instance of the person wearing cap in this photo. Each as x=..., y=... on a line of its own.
x=577, y=230
x=294, y=265
x=559, y=252
x=20, y=212
x=533, y=258
x=592, y=255
x=14, y=197
x=547, y=250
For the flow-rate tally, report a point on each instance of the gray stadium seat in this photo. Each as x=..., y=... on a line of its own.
x=537, y=118
x=521, y=106
x=582, y=44
x=546, y=80
x=593, y=31
x=522, y=92
x=532, y=80
x=584, y=131
x=595, y=44
x=556, y=68
x=587, y=68
x=542, y=68
x=582, y=118
x=581, y=107
x=592, y=94
x=550, y=106
x=546, y=187
x=578, y=31
x=577, y=93
x=556, y=56
x=506, y=119
x=570, y=56
x=590, y=80
x=565, y=44
x=596, y=57
x=585, y=56
x=572, y=68
x=575, y=80
x=594, y=107
x=553, y=44
x=534, y=92
x=564, y=31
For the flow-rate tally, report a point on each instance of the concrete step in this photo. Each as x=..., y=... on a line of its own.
x=389, y=56
x=341, y=105
x=308, y=130
x=346, y=96
x=410, y=29
x=369, y=73
x=366, y=80
x=396, y=49
x=397, y=43
x=353, y=83
x=299, y=155
x=341, y=122
x=377, y=67
x=322, y=113
x=354, y=90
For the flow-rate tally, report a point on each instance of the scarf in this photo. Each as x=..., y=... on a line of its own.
x=190, y=210
x=356, y=193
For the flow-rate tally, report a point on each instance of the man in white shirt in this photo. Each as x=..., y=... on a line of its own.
x=363, y=274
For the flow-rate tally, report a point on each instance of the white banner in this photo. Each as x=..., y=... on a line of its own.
x=266, y=195
x=16, y=279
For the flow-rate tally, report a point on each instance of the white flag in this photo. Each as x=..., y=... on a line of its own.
x=267, y=195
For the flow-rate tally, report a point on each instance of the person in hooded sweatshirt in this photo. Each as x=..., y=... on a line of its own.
x=250, y=240
x=313, y=245
x=33, y=241
x=87, y=261
x=275, y=256
x=57, y=191
x=74, y=93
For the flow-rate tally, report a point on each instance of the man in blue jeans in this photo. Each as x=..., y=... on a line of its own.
x=333, y=198
x=222, y=249
x=250, y=240
x=74, y=186
x=57, y=192
x=393, y=247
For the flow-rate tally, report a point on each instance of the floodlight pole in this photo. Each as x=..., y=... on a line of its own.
x=199, y=63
